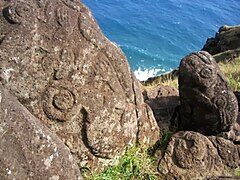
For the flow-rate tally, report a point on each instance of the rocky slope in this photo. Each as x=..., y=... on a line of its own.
x=59, y=65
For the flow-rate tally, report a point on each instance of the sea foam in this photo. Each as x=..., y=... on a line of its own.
x=144, y=74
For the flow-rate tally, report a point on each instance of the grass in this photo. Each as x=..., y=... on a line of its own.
x=231, y=70
x=169, y=79
x=135, y=164
x=238, y=172
x=171, y=82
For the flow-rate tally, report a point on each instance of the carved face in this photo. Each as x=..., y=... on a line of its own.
x=199, y=69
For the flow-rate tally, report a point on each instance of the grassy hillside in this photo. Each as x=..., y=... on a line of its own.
x=232, y=71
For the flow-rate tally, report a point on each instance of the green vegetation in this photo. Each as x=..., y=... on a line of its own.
x=232, y=71
x=135, y=164
x=238, y=172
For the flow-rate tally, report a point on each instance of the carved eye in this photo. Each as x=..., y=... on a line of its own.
x=206, y=72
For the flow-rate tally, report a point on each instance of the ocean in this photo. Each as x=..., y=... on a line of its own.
x=156, y=34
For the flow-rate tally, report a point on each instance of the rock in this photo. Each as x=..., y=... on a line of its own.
x=28, y=150
x=227, y=38
x=208, y=105
x=56, y=61
x=163, y=100
x=191, y=155
x=169, y=76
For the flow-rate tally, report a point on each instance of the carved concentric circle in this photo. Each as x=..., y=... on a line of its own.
x=60, y=103
x=220, y=101
x=64, y=100
x=206, y=72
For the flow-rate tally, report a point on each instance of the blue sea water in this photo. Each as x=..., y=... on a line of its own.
x=156, y=34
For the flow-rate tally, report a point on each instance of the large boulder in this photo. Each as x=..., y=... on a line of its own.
x=56, y=61
x=208, y=105
x=191, y=155
x=163, y=101
x=227, y=38
x=28, y=150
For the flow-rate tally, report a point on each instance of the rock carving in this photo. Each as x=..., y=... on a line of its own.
x=61, y=64
x=208, y=105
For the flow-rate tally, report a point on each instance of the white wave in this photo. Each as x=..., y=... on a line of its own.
x=144, y=74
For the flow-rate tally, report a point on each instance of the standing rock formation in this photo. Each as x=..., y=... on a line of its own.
x=56, y=61
x=28, y=150
x=208, y=105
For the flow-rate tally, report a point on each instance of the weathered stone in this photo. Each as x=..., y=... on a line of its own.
x=56, y=61
x=28, y=150
x=208, y=105
x=163, y=100
x=191, y=155
x=227, y=38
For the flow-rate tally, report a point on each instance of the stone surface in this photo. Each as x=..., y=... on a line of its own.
x=28, y=150
x=227, y=38
x=56, y=61
x=208, y=105
x=163, y=100
x=191, y=155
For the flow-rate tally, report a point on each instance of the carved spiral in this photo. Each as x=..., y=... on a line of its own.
x=220, y=101
x=60, y=103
